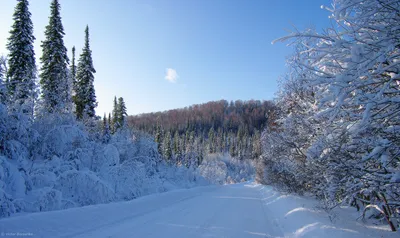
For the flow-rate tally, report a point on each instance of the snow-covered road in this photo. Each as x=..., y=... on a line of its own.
x=241, y=210
x=230, y=211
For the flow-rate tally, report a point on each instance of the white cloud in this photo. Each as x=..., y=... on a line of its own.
x=171, y=75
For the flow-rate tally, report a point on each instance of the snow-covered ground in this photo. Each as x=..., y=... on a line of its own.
x=240, y=210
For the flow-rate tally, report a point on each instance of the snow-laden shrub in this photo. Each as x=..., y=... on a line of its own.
x=147, y=153
x=136, y=175
x=106, y=156
x=178, y=177
x=3, y=124
x=45, y=199
x=146, y=146
x=13, y=181
x=84, y=188
x=126, y=179
x=15, y=150
x=78, y=159
x=6, y=205
x=221, y=169
x=42, y=177
x=12, y=186
x=213, y=169
x=123, y=140
x=61, y=139
x=173, y=177
x=19, y=128
x=57, y=134
x=152, y=184
x=238, y=170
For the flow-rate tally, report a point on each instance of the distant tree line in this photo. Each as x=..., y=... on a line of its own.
x=185, y=136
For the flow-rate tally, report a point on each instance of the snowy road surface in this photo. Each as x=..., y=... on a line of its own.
x=241, y=210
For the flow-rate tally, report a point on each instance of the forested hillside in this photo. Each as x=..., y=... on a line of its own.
x=188, y=134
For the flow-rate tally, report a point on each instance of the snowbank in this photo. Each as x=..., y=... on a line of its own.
x=305, y=217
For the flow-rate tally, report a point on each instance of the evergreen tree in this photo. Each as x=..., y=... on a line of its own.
x=191, y=139
x=187, y=147
x=22, y=71
x=245, y=153
x=167, y=146
x=3, y=72
x=176, y=144
x=121, y=112
x=232, y=148
x=73, y=77
x=183, y=143
x=85, y=93
x=73, y=68
x=218, y=140
x=54, y=71
x=239, y=142
x=256, y=145
x=225, y=142
x=109, y=122
x=158, y=139
x=104, y=121
x=115, y=116
x=211, y=139
x=106, y=130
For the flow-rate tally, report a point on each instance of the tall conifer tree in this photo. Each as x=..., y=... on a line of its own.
x=73, y=76
x=21, y=74
x=85, y=94
x=115, y=116
x=121, y=109
x=109, y=122
x=54, y=72
x=158, y=138
x=106, y=129
x=167, y=146
x=3, y=72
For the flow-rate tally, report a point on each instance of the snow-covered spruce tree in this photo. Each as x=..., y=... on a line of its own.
x=122, y=114
x=355, y=67
x=106, y=130
x=56, y=96
x=158, y=138
x=115, y=124
x=211, y=139
x=3, y=73
x=256, y=145
x=176, y=148
x=109, y=122
x=73, y=68
x=72, y=75
x=22, y=71
x=85, y=94
x=167, y=150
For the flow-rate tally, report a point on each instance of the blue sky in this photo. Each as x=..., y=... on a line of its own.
x=160, y=55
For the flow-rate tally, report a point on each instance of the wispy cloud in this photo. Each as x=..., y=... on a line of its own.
x=171, y=75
